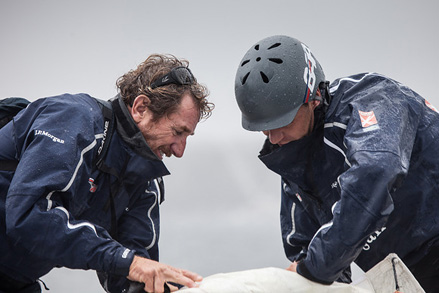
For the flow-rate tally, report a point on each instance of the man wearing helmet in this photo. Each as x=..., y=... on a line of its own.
x=357, y=159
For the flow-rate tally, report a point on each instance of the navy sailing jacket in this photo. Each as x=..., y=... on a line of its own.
x=364, y=183
x=55, y=210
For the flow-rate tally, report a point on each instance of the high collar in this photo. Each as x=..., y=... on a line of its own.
x=128, y=130
x=298, y=161
x=294, y=161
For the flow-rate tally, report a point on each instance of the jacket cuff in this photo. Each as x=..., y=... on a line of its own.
x=303, y=271
x=123, y=262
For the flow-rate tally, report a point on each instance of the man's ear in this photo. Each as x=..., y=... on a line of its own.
x=140, y=108
x=314, y=103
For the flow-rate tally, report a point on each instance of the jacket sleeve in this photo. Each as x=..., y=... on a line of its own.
x=378, y=149
x=56, y=148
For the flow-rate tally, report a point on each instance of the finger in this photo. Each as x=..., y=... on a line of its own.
x=159, y=283
x=149, y=287
x=292, y=267
x=191, y=275
x=180, y=279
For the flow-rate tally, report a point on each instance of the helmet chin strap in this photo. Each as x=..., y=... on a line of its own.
x=324, y=91
x=325, y=99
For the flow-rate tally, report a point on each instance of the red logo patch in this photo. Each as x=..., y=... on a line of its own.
x=367, y=118
x=430, y=106
x=93, y=186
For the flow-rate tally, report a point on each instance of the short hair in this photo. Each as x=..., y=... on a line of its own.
x=164, y=99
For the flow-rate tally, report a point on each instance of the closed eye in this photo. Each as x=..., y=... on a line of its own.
x=183, y=130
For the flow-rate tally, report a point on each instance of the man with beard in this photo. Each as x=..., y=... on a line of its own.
x=65, y=204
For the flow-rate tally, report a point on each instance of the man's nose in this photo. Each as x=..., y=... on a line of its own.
x=179, y=147
x=275, y=135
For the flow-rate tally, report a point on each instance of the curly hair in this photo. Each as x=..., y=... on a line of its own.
x=165, y=99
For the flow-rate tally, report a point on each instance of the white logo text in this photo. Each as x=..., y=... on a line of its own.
x=45, y=133
x=372, y=238
x=103, y=137
x=309, y=75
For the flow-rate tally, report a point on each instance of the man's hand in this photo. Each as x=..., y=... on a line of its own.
x=292, y=267
x=154, y=275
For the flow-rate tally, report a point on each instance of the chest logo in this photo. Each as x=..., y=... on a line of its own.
x=93, y=186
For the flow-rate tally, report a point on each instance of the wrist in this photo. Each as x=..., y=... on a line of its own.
x=123, y=262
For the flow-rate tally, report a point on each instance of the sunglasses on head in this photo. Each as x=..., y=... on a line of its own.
x=179, y=75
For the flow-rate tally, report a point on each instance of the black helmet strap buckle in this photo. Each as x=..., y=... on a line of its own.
x=324, y=91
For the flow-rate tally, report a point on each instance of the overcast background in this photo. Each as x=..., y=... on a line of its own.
x=221, y=212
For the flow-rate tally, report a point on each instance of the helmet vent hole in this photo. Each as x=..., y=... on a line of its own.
x=274, y=46
x=276, y=60
x=244, y=79
x=264, y=77
x=257, y=47
x=245, y=62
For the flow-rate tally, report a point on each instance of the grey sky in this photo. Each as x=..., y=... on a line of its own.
x=222, y=205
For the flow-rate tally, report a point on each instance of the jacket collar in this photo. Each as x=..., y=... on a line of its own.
x=299, y=161
x=294, y=161
x=128, y=130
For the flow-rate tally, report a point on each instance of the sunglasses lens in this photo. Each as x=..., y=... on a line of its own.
x=183, y=75
x=179, y=75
